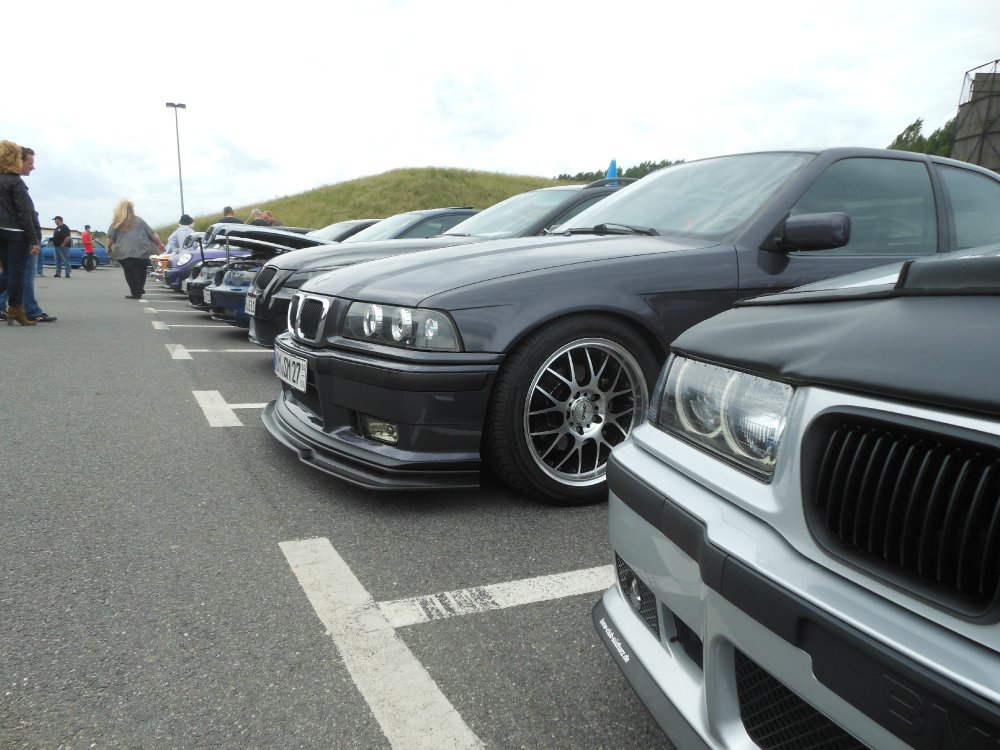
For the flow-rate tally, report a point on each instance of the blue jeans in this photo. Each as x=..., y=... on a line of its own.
x=31, y=306
x=62, y=256
x=40, y=265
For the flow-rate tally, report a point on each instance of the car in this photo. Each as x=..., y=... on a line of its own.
x=534, y=357
x=522, y=215
x=806, y=530
x=225, y=294
x=76, y=252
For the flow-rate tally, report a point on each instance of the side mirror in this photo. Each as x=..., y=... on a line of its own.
x=814, y=231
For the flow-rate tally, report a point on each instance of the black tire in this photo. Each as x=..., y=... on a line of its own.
x=89, y=263
x=563, y=399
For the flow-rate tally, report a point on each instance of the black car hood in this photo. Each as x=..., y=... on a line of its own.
x=347, y=253
x=412, y=279
x=928, y=338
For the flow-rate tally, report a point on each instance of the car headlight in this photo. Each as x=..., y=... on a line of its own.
x=241, y=277
x=183, y=259
x=409, y=327
x=738, y=416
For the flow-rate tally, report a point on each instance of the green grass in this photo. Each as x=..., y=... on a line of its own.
x=386, y=194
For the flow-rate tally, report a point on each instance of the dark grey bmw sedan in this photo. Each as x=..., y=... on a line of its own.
x=534, y=357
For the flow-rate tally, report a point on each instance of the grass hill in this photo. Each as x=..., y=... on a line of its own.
x=386, y=194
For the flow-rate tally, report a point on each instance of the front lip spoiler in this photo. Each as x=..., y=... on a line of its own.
x=354, y=465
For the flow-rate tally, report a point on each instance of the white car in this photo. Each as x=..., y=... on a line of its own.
x=807, y=529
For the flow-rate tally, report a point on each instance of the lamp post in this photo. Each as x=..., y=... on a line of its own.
x=177, y=128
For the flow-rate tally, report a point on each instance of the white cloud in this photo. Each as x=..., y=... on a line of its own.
x=282, y=98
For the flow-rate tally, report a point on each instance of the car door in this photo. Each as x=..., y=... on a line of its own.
x=894, y=215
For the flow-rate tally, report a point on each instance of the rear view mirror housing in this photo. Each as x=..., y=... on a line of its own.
x=823, y=231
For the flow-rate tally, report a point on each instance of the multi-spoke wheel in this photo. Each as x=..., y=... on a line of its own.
x=564, y=399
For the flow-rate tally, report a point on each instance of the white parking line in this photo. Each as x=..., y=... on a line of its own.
x=179, y=351
x=159, y=325
x=218, y=412
x=154, y=310
x=402, y=612
x=407, y=703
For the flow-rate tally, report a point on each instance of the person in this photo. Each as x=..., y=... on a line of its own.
x=176, y=239
x=19, y=235
x=257, y=218
x=89, y=262
x=228, y=217
x=270, y=220
x=131, y=241
x=32, y=310
x=62, y=239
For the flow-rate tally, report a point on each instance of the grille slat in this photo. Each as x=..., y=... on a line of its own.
x=925, y=506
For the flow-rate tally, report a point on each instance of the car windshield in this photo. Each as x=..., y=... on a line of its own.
x=512, y=217
x=332, y=231
x=386, y=229
x=708, y=198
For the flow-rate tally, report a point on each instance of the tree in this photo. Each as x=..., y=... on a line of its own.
x=639, y=170
x=938, y=143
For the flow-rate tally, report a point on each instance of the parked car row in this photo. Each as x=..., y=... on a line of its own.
x=804, y=490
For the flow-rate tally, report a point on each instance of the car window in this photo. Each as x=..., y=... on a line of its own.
x=574, y=210
x=890, y=202
x=513, y=216
x=975, y=201
x=434, y=226
x=386, y=229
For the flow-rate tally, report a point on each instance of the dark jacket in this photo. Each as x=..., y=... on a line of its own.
x=16, y=209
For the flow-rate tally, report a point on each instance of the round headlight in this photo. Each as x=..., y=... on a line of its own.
x=698, y=395
x=430, y=328
x=183, y=259
x=373, y=320
x=402, y=324
x=754, y=416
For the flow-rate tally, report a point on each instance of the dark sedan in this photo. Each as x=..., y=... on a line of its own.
x=536, y=356
x=522, y=215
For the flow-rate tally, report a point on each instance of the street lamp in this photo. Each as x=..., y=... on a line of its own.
x=177, y=128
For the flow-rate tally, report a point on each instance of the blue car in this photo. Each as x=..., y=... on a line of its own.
x=75, y=252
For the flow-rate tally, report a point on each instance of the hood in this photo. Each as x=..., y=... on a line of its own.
x=412, y=279
x=348, y=253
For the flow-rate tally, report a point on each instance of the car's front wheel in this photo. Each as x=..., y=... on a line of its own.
x=563, y=399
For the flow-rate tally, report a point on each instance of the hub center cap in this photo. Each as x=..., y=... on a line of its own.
x=583, y=412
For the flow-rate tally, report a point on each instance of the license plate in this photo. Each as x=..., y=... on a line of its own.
x=251, y=303
x=184, y=286
x=207, y=296
x=291, y=369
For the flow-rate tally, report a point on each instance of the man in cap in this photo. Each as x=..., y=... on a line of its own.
x=176, y=240
x=61, y=240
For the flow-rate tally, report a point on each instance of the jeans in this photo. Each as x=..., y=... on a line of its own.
x=40, y=265
x=62, y=256
x=31, y=307
x=14, y=254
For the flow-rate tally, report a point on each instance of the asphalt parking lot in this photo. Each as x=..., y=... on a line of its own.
x=172, y=577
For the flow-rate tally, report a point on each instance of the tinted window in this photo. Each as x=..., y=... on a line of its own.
x=386, y=229
x=890, y=202
x=434, y=226
x=975, y=199
x=577, y=209
x=511, y=217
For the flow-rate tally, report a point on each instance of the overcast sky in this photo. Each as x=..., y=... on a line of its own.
x=283, y=97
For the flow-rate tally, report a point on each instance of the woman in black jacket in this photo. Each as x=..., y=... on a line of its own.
x=19, y=238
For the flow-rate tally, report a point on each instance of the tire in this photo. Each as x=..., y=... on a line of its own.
x=563, y=399
x=88, y=263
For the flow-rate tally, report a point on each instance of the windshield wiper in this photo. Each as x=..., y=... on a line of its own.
x=615, y=229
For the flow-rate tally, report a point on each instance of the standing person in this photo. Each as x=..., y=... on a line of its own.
x=32, y=310
x=131, y=241
x=89, y=262
x=19, y=236
x=176, y=239
x=62, y=238
x=270, y=220
x=257, y=218
x=228, y=217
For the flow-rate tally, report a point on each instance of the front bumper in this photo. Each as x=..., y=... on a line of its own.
x=729, y=592
x=438, y=411
x=229, y=306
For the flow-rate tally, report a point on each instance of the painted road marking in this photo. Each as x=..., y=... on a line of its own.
x=408, y=705
x=153, y=310
x=218, y=412
x=402, y=612
x=179, y=351
x=159, y=325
